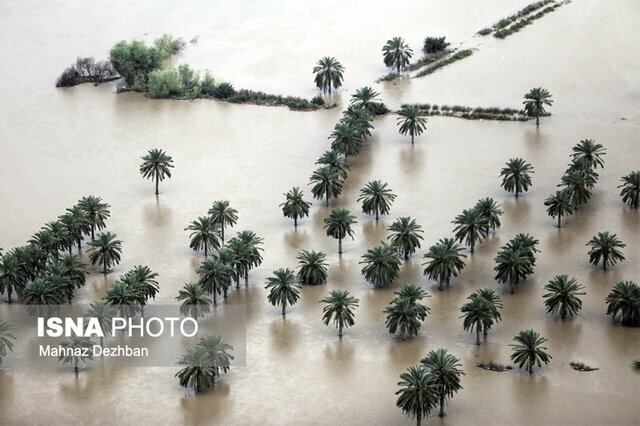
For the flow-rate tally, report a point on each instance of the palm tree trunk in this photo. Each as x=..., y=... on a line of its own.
x=512, y=286
x=215, y=299
x=339, y=330
x=484, y=330
x=156, y=185
x=604, y=263
x=295, y=222
x=70, y=247
x=411, y=138
x=102, y=342
x=559, y=217
x=477, y=335
x=93, y=236
x=284, y=307
x=517, y=191
x=75, y=365
x=327, y=198
x=531, y=368
x=441, y=405
x=205, y=251
x=537, y=119
x=238, y=281
x=441, y=286
x=79, y=244
x=104, y=264
x=339, y=245
x=473, y=242
x=419, y=418
x=222, y=233
x=9, y=293
x=377, y=214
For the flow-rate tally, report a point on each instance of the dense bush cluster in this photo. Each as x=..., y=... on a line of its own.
x=477, y=113
x=453, y=58
x=504, y=22
x=86, y=70
x=434, y=44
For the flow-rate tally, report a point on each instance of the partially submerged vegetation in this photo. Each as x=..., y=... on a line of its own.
x=87, y=70
x=493, y=366
x=525, y=16
x=581, y=366
x=442, y=62
x=472, y=113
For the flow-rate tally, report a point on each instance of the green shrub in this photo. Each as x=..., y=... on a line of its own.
x=189, y=78
x=224, y=90
x=134, y=61
x=208, y=84
x=485, y=31
x=317, y=100
x=434, y=44
x=378, y=108
x=165, y=84
x=167, y=45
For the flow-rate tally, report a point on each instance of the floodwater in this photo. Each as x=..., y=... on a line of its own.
x=61, y=144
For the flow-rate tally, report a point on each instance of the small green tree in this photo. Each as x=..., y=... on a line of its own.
x=559, y=204
x=134, y=61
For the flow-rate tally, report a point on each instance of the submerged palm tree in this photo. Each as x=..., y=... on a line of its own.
x=156, y=166
x=5, y=336
x=78, y=347
x=516, y=175
x=284, y=288
x=444, y=372
x=512, y=265
x=404, y=315
x=381, y=264
x=376, y=198
x=339, y=308
x=624, y=302
x=97, y=212
x=338, y=225
x=124, y=296
x=198, y=373
x=336, y=161
x=223, y=214
x=218, y=356
x=346, y=138
x=559, y=204
x=471, y=226
x=205, y=234
x=605, y=247
x=145, y=283
x=295, y=207
x=445, y=261
x=405, y=234
x=195, y=302
x=576, y=184
x=328, y=74
x=103, y=312
x=490, y=210
x=76, y=222
x=396, y=53
x=535, y=101
x=365, y=97
x=46, y=242
x=327, y=184
x=253, y=242
x=495, y=302
x=312, y=267
x=563, y=295
x=411, y=122
x=590, y=151
x=12, y=275
x=478, y=315
x=418, y=393
x=529, y=350
x=43, y=297
x=215, y=277
x=105, y=250
x=630, y=192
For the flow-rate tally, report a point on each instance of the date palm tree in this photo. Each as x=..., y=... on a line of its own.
x=624, y=302
x=471, y=227
x=559, y=204
x=56, y=274
x=584, y=165
x=195, y=302
x=338, y=225
x=445, y=261
x=405, y=316
x=12, y=276
x=346, y=138
x=563, y=295
x=224, y=215
x=417, y=394
x=381, y=264
x=590, y=151
x=63, y=238
x=326, y=184
x=146, y=283
x=411, y=122
x=156, y=165
x=214, y=277
x=243, y=260
x=295, y=206
x=312, y=267
x=444, y=372
x=376, y=198
x=218, y=355
x=77, y=223
x=46, y=242
x=80, y=349
x=5, y=338
x=512, y=265
x=97, y=212
x=495, y=302
x=328, y=74
x=339, y=308
x=605, y=247
x=630, y=192
x=124, y=296
x=254, y=242
x=360, y=119
x=336, y=161
x=42, y=297
x=478, y=315
x=32, y=260
x=284, y=288
x=516, y=176
x=366, y=98
x=396, y=53
x=106, y=249
x=535, y=101
x=413, y=293
x=228, y=257
x=490, y=210
x=197, y=373
x=205, y=234
x=405, y=234
x=103, y=312
x=576, y=184
x=528, y=351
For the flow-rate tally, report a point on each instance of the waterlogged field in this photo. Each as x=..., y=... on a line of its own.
x=62, y=144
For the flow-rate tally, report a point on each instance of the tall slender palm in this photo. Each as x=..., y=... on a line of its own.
x=295, y=206
x=97, y=212
x=205, y=234
x=376, y=198
x=512, y=266
x=197, y=373
x=338, y=225
x=103, y=312
x=339, y=308
x=605, y=247
x=195, y=302
x=146, y=283
x=57, y=274
x=5, y=338
x=43, y=297
x=359, y=118
x=105, y=250
x=411, y=122
x=243, y=260
x=535, y=101
x=365, y=97
x=591, y=151
x=156, y=165
x=624, y=302
x=12, y=276
x=326, y=184
x=445, y=261
x=76, y=348
x=563, y=295
x=444, y=372
x=576, y=184
x=559, y=204
x=490, y=210
x=214, y=277
x=418, y=393
x=495, y=302
x=284, y=288
x=405, y=316
x=328, y=74
x=630, y=192
x=471, y=227
x=228, y=257
x=396, y=53
x=528, y=351
x=79, y=223
x=223, y=214
x=381, y=264
x=312, y=267
x=218, y=355
x=516, y=176
x=124, y=296
x=336, y=161
x=346, y=138
x=478, y=315
x=253, y=242
x=405, y=234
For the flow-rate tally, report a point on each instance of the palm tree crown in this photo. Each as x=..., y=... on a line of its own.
x=198, y=373
x=624, y=302
x=339, y=307
x=590, y=151
x=195, y=302
x=336, y=161
x=295, y=207
x=223, y=214
x=312, y=267
x=97, y=212
x=284, y=288
x=411, y=122
x=156, y=165
x=327, y=184
x=528, y=351
x=477, y=314
x=346, y=138
x=563, y=295
x=106, y=249
x=12, y=275
x=205, y=234
x=516, y=175
x=417, y=392
x=445, y=261
x=366, y=98
x=328, y=74
x=376, y=198
x=605, y=247
x=490, y=210
x=471, y=226
x=535, y=101
x=405, y=234
x=630, y=192
x=559, y=204
x=215, y=277
x=381, y=264
x=396, y=53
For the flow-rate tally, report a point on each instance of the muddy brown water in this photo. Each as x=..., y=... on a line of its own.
x=61, y=144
